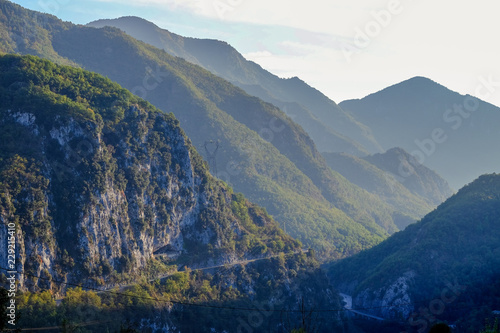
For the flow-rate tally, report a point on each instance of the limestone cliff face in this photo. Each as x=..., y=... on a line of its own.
x=391, y=302
x=103, y=198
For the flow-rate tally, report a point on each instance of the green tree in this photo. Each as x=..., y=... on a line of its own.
x=491, y=328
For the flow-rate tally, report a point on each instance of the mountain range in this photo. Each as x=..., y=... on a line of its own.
x=331, y=128
x=212, y=184
x=420, y=190
x=262, y=152
x=404, y=115
x=453, y=134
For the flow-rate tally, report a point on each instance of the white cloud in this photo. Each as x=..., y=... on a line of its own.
x=195, y=6
x=258, y=55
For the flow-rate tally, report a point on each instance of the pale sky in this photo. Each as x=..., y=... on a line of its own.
x=345, y=48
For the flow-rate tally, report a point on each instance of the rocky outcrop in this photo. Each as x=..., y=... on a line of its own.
x=392, y=302
x=102, y=198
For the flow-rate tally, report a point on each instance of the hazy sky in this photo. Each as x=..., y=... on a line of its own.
x=345, y=48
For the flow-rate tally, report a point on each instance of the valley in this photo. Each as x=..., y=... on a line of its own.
x=153, y=182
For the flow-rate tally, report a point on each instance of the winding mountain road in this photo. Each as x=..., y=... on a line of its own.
x=348, y=307
x=226, y=265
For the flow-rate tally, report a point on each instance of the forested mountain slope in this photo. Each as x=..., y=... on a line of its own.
x=455, y=135
x=86, y=163
x=332, y=129
x=101, y=188
x=455, y=249
x=262, y=152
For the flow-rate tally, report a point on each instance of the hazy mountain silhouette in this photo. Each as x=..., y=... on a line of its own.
x=417, y=178
x=414, y=193
x=331, y=128
x=455, y=135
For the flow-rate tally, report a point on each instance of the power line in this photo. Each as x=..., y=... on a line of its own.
x=262, y=310
x=47, y=328
x=218, y=306
x=211, y=155
x=163, y=300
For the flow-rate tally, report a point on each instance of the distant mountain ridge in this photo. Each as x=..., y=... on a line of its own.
x=413, y=190
x=292, y=95
x=415, y=177
x=454, y=135
x=332, y=128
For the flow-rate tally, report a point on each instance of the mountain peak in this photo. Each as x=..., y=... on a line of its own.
x=397, y=151
x=408, y=114
x=135, y=20
x=417, y=82
x=417, y=86
x=413, y=175
x=419, y=79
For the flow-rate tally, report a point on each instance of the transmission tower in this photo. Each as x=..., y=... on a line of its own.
x=211, y=148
